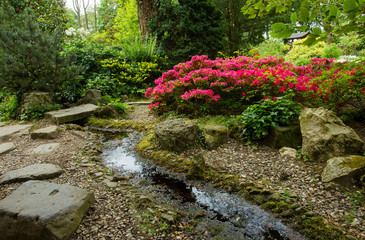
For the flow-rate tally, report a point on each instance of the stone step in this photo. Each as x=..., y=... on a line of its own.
x=139, y=103
x=45, y=133
x=71, y=114
x=44, y=148
x=7, y=132
x=43, y=210
x=32, y=172
x=6, y=147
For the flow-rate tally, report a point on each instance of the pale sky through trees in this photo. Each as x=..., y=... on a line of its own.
x=69, y=3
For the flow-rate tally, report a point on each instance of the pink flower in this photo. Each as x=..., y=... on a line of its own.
x=282, y=89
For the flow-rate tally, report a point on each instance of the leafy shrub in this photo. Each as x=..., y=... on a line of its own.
x=332, y=51
x=120, y=106
x=229, y=85
x=8, y=106
x=119, y=77
x=140, y=49
x=257, y=119
x=88, y=54
x=301, y=52
x=36, y=111
x=272, y=47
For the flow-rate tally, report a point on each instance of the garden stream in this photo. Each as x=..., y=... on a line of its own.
x=226, y=215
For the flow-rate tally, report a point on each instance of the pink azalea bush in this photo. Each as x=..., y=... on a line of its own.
x=229, y=85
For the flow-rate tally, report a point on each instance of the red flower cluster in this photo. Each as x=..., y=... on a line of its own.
x=202, y=80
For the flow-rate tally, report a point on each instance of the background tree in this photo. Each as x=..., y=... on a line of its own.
x=107, y=11
x=187, y=28
x=146, y=9
x=85, y=5
x=50, y=14
x=30, y=57
x=76, y=4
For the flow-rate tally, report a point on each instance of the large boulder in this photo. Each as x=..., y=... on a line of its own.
x=345, y=170
x=36, y=98
x=92, y=96
x=177, y=134
x=215, y=135
x=325, y=136
x=42, y=210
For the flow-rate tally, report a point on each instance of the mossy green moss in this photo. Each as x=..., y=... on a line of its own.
x=354, y=161
x=316, y=228
x=120, y=124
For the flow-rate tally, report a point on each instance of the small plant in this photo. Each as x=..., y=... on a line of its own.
x=8, y=105
x=257, y=119
x=35, y=112
x=302, y=156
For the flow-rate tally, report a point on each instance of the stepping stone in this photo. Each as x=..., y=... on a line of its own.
x=139, y=103
x=43, y=210
x=44, y=148
x=8, y=132
x=45, y=133
x=32, y=172
x=6, y=147
x=72, y=114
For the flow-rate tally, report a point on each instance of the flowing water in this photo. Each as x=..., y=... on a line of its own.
x=237, y=219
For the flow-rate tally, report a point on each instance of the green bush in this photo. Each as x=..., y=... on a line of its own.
x=120, y=106
x=332, y=51
x=36, y=111
x=302, y=54
x=119, y=77
x=257, y=119
x=272, y=47
x=88, y=54
x=8, y=106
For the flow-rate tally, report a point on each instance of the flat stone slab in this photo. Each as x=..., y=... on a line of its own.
x=139, y=103
x=45, y=133
x=32, y=172
x=43, y=210
x=7, y=132
x=72, y=114
x=44, y=148
x=6, y=147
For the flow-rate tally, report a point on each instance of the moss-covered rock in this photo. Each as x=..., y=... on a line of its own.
x=215, y=135
x=288, y=136
x=345, y=170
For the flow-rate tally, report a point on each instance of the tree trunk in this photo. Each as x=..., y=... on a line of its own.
x=76, y=6
x=95, y=16
x=146, y=9
x=85, y=12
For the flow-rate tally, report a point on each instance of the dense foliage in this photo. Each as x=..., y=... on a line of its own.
x=259, y=118
x=229, y=85
x=187, y=28
x=30, y=57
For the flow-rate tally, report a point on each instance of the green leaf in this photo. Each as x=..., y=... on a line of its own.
x=349, y=5
x=333, y=11
x=303, y=14
x=278, y=27
x=285, y=34
x=317, y=31
x=302, y=28
x=293, y=18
